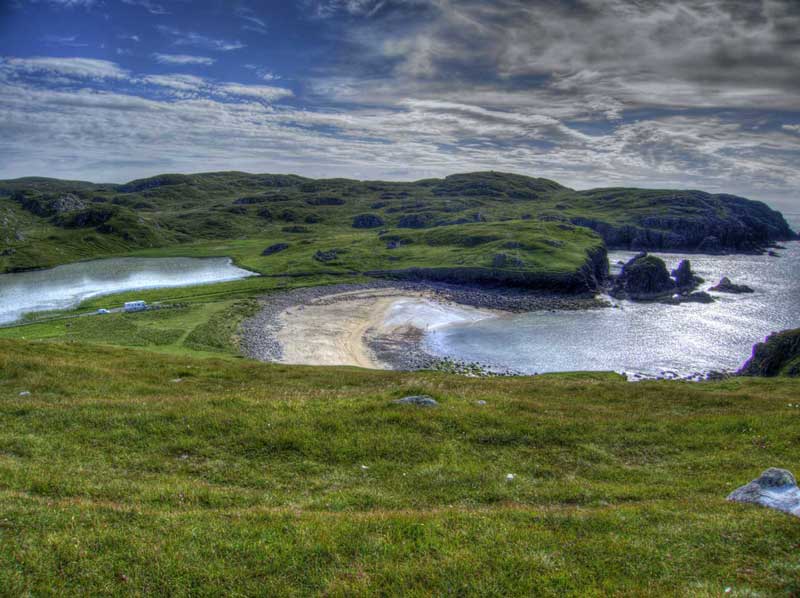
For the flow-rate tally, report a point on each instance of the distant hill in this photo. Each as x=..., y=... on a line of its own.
x=50, y=221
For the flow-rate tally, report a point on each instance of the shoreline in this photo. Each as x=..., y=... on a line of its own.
x=346, y=324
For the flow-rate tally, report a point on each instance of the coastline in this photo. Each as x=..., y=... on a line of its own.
x=348, y=324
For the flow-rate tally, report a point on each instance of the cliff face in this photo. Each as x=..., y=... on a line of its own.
x=779, y=355
x=690, y=221
x=588, y=278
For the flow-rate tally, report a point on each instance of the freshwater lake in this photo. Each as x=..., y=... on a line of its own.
x=640, y=338
x=64, y=287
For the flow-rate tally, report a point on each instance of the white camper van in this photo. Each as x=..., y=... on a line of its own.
x=135, y=306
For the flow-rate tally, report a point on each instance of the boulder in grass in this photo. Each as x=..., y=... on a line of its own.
x=367, y=221
x=329, y=255
x=277, y=248
x=774, y=488
x=418, y=400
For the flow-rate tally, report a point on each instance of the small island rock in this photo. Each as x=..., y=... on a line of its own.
x=726, y=286
x=685, y=279
x=696, y=297
x=643, y=277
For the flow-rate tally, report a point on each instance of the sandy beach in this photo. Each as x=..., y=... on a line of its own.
x=380, y=325
x=333, y=330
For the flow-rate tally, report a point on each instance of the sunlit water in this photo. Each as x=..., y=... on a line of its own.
x=640, y=338
x=66, y=286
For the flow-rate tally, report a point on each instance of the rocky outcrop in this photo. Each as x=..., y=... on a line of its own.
x=503, y=260
x=163, y=180
x=685, y=279
x=710, y=223
x=250, y=200
x=726, y=286
x=367, y=221
x=44, y=205
x=696, y=297
x=779, y=355
x=595, y=270
x=644, y=277
x=329, y=255
x=67, y=203
x=417, y=400
x=774, y=488
x=325, y=201
x=413, y=221
x=276, y=248
x=95, y=215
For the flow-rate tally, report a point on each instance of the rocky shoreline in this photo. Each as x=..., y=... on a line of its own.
x=403, y=350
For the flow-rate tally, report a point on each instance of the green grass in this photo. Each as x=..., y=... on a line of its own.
x=198, y=328
x=133, y=473
x=171, y=211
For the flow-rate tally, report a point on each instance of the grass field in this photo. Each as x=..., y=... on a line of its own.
x=196, y=327
x=135, y=473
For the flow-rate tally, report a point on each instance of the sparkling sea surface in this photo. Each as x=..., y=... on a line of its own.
x=66, y=286
x=641, y=338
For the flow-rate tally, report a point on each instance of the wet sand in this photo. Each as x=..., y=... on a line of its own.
x=334, y=331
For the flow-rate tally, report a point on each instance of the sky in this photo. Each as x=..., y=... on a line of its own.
x=701, y=94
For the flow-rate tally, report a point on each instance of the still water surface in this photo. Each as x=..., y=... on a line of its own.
x=66, y=286
x=644, y=338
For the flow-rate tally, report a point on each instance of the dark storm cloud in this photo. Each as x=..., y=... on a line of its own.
x=722, y=52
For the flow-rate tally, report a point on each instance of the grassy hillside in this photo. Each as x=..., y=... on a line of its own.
x=132, y=473
x=778, y=355
x=49, y=221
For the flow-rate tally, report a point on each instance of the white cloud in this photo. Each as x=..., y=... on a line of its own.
x=260, y=92
x=149, y=6
x=177, y=81
x=791, y=128
x=190, y=38
x=252, y=22
x=183, y=59
x=79, y=68
x=70, y=41
x=70, y=3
